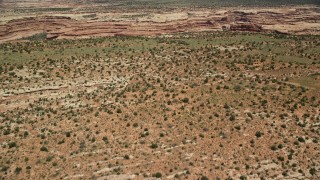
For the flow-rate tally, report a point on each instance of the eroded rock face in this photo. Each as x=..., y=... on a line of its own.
x=282, y=20
x=19, y=28
x=64, y=27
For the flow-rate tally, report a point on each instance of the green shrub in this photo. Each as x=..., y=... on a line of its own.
x=259, y=134
x=185, y=100
x=154, y=146
x=18, y=170
x=157, y=175
x=43, y=148
x=12, y=144
x=204, y=178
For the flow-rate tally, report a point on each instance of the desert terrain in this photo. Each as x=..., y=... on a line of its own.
x=92, y=91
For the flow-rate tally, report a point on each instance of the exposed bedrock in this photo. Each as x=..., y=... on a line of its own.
x=298, y=21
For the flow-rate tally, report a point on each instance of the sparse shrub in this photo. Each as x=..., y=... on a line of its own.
x=126, y=157
x=105, y=139
x=237, y=88
x=185, y=100
x=18, y=170
x=154, y=146
x=68, y=134
x=204, y=178
x=12, y=144
x=301, y=139
x=135, y=125
x=43, y=148
x=157, y=175
x=258, y=134
x=312, y=171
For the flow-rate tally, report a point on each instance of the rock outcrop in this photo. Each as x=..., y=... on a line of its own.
x=299, y=21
